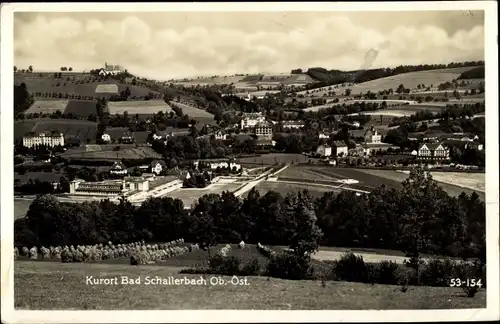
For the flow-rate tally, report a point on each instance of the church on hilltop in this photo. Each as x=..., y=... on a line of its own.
x=111, y=69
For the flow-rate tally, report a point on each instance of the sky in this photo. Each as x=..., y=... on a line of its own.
x=164, y=45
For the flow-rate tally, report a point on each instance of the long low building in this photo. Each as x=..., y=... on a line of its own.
x=128, y=187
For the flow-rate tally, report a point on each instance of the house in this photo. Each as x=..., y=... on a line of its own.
x=219, y=135
x=341, y=148
x=127, y=139
x=110, y=69
x=250, y=120
x=359, y=150
x=433, y=151
x=51, y=140
x=118, y=168
x=371, y=136
x=474, y=146
x=264, y=129
x=322, y=135
x=106, y=138
x=293, y=124
x=157, y=166
x=324, y=150
x=225, y=165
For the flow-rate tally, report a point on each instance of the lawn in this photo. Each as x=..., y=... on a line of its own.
x=190, y=196
x=81, y=129
x=300, y=172
x=58, y=286
x=284, y=188
x=48, y=106
x=193, y=112
x=123, y=153
x=116, y=132
x=21, y=207
x=473, y=181
x=274, y=158
x=143, y=107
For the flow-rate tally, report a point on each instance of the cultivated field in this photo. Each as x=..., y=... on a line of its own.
x=47, y=106
x=116, y=132
x=106, y=88
x=409, y=80
x=143, y=107
x=81, y=108
x=58, y=286
x=473, y=181
x=210, y=81
x=190, y=196
x=283, y=188
x=193, y=112
x=123, y=153
x=21, y=207
x=73, y=128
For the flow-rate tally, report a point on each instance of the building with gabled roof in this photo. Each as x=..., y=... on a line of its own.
x=433, y=151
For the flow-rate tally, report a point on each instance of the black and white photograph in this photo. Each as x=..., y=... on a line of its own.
x=250, y=157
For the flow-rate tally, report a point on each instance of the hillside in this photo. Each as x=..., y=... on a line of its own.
x=409, y=80
x=63, y=286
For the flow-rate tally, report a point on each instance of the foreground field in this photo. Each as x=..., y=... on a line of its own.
x=189, y=196
x=57, y=286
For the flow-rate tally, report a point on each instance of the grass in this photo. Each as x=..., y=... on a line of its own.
x=284, y=188
x=193, y=112
x=21, y=207
x=474, y=181
x=190, y=196
x=144, y=107
x=123, y=153
x=57, y=286
x=270, y=159
x=81, y=129
x=106, y=88
x=81, y=107
x=48, y=106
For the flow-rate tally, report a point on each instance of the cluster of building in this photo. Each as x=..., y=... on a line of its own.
x=111, y=69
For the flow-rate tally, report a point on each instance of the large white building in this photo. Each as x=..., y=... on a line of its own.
x=293, y=124
x=111, y=69
x=51, y=140
x=250, y=120
x=324, y=150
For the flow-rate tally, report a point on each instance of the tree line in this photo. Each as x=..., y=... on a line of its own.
x=419, y=217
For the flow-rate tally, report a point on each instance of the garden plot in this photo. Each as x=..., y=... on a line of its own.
x=106, y=88
x=47, y=106
x=145, y=107
x=190, y=196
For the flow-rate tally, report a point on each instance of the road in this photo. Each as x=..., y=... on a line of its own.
x=256, y=181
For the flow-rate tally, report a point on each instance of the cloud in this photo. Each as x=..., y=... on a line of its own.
x=144, y=48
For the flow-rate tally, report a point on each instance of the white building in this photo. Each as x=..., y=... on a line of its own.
x=106, y=138
x=249, y=120
x=293, y=124
x=118, y=168
x=341, y=148
x=225, y=165
x=51, y=140
x=157, y=166
x=219, y=135
x=324, y=150
x=264, y=129
x=323, y=135
x=372, y=136
x=111, y=69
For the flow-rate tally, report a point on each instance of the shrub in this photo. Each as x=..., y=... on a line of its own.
x=195, y=271
x=288, y=266
x=388, y=273
x=229, y=265
x=251, y=268
x=351, y=267
x=438, y=273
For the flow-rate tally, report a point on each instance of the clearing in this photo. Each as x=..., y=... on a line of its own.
x=59, y=286
x=81, y=129
x=123, y=153
x=193, y=112
x=143, y=107
x=48, y=106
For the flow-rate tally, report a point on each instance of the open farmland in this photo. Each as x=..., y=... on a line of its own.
x=106, y=88
x=409, y=80
x=190, y=196
x=21, y=207
x=63, y=287
x=123, y=153
x=193, y=112
x=143, y=107
x=50, y=85
x=210, y=81
x=71, y=128
x=116, y=132
x=47, y=106
x=81, y=108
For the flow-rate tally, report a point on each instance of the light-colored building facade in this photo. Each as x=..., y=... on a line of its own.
x=433, y=151
x=264, y=129
x=250, y=120
x=324, y=150
x=293, y=124
x=372, y=136
x=225, y=165
x=118, y=168
x=51, y=140
x=106, y=138
x=341, y=148
x=219, y=135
